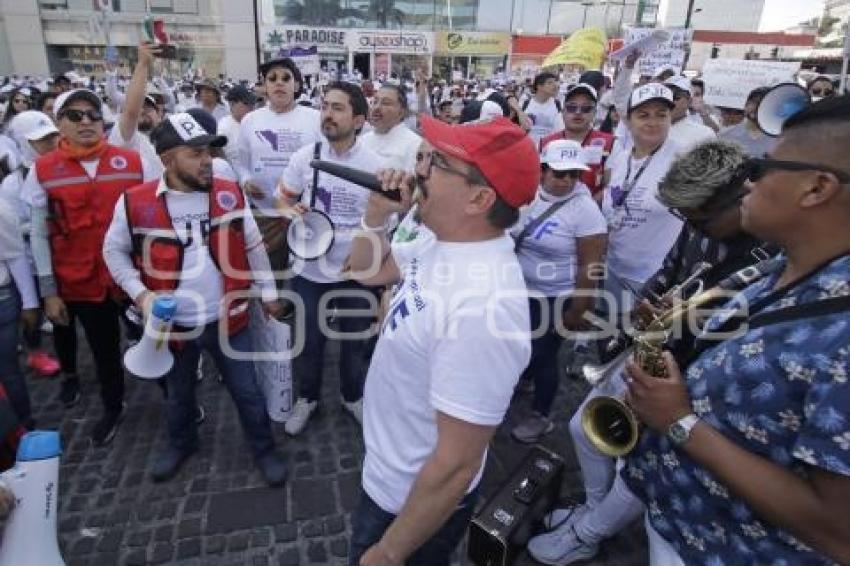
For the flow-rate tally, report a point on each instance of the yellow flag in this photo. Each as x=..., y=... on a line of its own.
x=585, y=47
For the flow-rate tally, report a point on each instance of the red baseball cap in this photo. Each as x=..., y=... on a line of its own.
x=500, y=149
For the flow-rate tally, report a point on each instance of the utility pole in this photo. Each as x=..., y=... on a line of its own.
x=690, y=14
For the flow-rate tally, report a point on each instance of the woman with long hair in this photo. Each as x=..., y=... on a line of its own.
x=19, y=101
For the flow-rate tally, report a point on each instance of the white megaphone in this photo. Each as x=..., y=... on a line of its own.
x=151, y=358
x=780, y=103
x=310, y=235
x=30, y=534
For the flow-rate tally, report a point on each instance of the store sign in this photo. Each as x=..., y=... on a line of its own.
x=305, y=58
x=473, y=43
x=391, y=42
x=278, y=37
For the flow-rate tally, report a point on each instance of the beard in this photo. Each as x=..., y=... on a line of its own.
x=201, y=182
x=337, y=133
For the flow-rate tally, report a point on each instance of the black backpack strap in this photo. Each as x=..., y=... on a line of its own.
x=525, y=104
x=317, y=149
x=532, y=226
x=823, y=307
x=558, y=106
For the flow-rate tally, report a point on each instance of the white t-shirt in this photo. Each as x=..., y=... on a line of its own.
x=151, y=163
x=267, y=141
x=398, y=147
x=454, y=340
x=549, y=256
x=640, y=230
x=688, y=134
x=545, y=117
x=343, y=201
x=229, y=128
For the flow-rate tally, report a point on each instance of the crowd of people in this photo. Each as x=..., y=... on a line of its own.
x=525, y=218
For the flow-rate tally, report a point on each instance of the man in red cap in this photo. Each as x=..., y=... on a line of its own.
x=453, y=343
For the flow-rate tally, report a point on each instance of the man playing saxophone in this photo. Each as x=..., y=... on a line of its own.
x=745, y=456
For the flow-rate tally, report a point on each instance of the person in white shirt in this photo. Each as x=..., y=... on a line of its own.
x=192, y=211
x=391, y=138
x=453, y=344
x=687, y=133
x=208, y=97
x=242, y=101
x=560, y=239
x=641, y=229
x=344, y=111
x=543, y=109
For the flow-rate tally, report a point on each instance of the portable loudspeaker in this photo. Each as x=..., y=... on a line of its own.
x=30, y=534
x=151, y=358
x=780, y=103
x=311, y=235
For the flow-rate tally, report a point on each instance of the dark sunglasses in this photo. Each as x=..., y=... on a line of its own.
x=579, y=108
x=76, y=116
x=824, y=92
x=757, y=168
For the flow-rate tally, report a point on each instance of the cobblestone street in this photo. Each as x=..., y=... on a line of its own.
x=218, y=510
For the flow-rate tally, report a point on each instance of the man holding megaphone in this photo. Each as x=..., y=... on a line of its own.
x=191, y=235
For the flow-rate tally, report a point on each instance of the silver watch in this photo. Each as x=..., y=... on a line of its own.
x=680, y=431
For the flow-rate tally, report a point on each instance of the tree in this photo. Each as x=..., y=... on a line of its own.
x=384, y=12
x=316, y=12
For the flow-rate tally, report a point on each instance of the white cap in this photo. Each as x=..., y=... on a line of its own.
x=649, y=92
x=74, y=77
x=680, y=82
x=31, y=125
x=585, y=88
x=564, y=155
x=489, y=110
x=78, y=93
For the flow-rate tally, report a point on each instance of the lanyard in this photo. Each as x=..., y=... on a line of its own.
x=629, y=185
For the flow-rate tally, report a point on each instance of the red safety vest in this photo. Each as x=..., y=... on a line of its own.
x=79, y=213
x=593, y=177
x=158, y=252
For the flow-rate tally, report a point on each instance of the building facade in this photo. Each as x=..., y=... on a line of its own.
x=718, y=15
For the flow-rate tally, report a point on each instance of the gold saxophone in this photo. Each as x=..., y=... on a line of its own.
x=609, y=423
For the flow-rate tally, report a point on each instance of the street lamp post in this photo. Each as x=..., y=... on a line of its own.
x=586, y=6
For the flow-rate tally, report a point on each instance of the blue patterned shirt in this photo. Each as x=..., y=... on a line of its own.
x=780, y=391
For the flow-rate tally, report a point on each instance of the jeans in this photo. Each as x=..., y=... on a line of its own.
x=308, y=366
x=11, y=375
x=103, y=333
x=370, y=522
x=543, y=367
x=239, y=378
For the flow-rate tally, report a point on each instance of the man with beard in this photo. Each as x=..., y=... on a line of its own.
x=747, y=133
x=344, y=111
x=202, y=225
x=453, y=344
x=391, y=138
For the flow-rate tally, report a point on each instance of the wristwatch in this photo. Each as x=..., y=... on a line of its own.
x=680, y=431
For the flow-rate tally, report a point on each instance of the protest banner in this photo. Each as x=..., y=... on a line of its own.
x=729, y=81
x=670, y=52
x=585, y=48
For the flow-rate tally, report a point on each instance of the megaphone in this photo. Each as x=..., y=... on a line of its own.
x=780, y=103
x=311, y=235
x=30, y=533
x=151, y=358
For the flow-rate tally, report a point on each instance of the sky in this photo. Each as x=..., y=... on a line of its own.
x=781, y=14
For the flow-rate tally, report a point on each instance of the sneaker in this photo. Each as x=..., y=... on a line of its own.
x=273, y=468
x=532, y=428
x=105, y=429
x=46, y=326
x=558, y=517
x=561, y=546
x=301, y=413
x=200, y=415
x=43, y=363
x=69, y=393
x=355, y=409
x=169, y=463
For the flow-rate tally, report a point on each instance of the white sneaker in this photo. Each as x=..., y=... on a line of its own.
x=301, y=413
x=562, y=516
x=561, y=546
x=355, y=409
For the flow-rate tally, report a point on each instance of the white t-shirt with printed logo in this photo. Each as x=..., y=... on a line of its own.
x=343, y=201
x=548, y=255
x=546, y=119
x=641, y=230
x=455, y=340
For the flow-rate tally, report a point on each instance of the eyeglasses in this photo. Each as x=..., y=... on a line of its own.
x=757, y=168
x=437, y=160
x=579, y=108
x=77, y=116
x=284, y=77
x=822, y=92
x=711, y=210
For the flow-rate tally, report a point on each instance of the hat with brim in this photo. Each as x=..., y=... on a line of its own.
x=77, y=94
x=564, y=155
x=582, y=88
x=679, y=82
x=288, y=64
x=32, y=125
x=183, y=130
x=652, y=92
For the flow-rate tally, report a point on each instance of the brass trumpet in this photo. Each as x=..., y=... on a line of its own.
x=609, y=423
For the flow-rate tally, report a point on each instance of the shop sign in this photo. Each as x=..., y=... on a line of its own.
x=391, y=42
x=473, y=43
x=278, y=37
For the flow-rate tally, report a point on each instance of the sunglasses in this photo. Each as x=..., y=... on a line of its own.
x=712, y=209
x=77, y=116
x=757, y=168
x=822, y=92
x=437, y=160
x=579, y=108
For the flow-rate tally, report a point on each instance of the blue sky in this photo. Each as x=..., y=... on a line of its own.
x=781, y=14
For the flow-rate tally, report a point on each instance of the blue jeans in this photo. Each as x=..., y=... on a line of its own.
x=370, y=522
x=309, y=365
x=11, y=375
x=543, y=366
x=239, y=378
